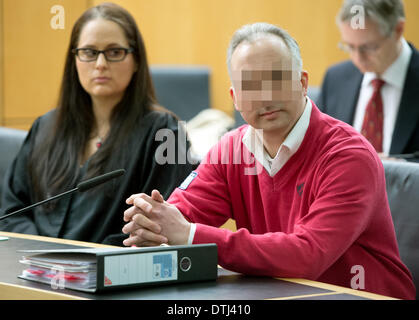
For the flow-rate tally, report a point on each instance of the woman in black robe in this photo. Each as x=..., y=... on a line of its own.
x=107, y=118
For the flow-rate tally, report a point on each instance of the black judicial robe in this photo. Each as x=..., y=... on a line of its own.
x=97, y=215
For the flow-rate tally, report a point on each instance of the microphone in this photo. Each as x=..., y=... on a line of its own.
x=93, y=182
x=81, y=187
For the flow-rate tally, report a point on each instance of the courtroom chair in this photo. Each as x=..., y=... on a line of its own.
x=402, y=184
x=314, y=93
x=10, y=142
x=183, y=90
x=239, y=121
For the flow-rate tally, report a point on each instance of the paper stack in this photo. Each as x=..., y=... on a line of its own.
x=71, y=270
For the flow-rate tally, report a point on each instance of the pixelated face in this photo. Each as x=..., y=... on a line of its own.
x=368, y=48
x=267, y=91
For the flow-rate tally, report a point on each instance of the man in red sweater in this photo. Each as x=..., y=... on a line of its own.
x=307, y=191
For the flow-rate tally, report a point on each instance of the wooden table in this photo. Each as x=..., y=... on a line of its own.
x=228, y=286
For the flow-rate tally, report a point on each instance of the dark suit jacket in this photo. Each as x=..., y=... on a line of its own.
x=340, y=92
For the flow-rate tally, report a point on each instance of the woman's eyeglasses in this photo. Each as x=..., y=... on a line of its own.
x=111, y=54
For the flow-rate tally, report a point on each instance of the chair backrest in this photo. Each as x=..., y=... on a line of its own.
x=238, y=119
x=182, y=89
x=402, y=184
x=10, y=142
x=314, y=93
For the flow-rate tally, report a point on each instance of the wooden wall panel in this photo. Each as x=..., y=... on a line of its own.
x=1, y=63
x=192, y=32
x=412, y=21
x=198, y=32
x=34, y=57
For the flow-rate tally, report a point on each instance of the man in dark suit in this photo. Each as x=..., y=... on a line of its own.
x=372, y=34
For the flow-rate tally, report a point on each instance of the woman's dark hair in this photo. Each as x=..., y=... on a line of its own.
x=55, y=162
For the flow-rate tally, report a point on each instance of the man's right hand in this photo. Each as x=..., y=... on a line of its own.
x=153, y=221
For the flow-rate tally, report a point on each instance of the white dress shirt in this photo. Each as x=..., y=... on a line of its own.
x=391, y=93
x=253, y=141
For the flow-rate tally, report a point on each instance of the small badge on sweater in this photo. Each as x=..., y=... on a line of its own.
x=185, y=184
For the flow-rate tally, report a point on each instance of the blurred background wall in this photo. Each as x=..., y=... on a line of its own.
x=176, y=32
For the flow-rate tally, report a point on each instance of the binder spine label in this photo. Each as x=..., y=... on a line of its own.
x=140, y=268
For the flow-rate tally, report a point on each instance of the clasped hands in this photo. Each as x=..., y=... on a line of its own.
x=151, y=221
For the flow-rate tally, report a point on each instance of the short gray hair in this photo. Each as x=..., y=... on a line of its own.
x=252, y=32
x=386, y=13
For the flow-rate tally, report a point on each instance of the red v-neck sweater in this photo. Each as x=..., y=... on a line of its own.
x=324, y=214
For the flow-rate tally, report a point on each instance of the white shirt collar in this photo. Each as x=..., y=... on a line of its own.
x=253, y=141
x=395, y=74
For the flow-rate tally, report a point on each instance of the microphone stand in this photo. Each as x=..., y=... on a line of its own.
x=82, y=186
x=40, y=203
